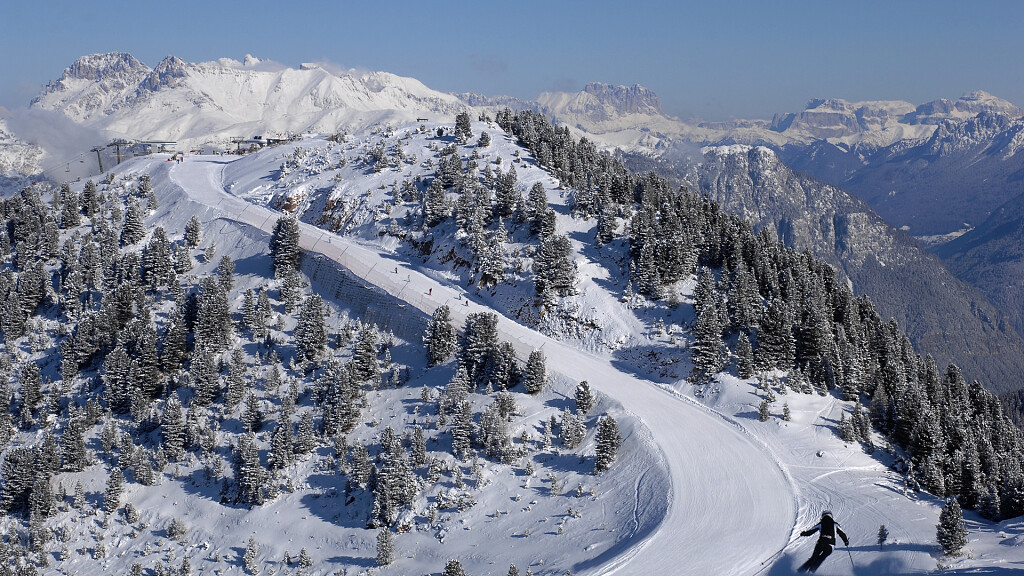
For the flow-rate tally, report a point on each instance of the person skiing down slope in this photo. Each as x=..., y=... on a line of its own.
x=826, y=541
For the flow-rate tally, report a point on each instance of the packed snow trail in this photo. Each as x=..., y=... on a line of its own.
x=730, y=507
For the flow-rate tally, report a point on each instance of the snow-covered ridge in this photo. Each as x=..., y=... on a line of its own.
x=200, y=103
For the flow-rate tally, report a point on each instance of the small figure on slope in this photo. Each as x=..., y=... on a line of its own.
x=828, y=529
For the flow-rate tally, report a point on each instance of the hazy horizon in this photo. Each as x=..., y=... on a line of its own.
x=710, y=61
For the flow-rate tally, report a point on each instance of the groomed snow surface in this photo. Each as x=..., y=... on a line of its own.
x=701, y=485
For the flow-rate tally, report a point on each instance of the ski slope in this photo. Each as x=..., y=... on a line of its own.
x=730, y=507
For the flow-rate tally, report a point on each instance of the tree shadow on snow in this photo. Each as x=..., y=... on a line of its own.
x=326, y=500
x=661, y=364
x=361, y=562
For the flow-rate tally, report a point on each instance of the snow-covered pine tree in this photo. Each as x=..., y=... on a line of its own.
x=554, y=271
x=440, y=336
x=744, y=357
x=249, y=558
x=156, y=259
x=775, y=342
x=536, y=207
x=453, y=568
x=708, y=350
x=213, y=319
x=535, y=377
x=365, y=367
x=951, y=530
x=572, y=429
x=250, y=476
x=134, y=229
x=226, y=272
x=284, y=246
x=463, y=128
x=310, y=332
x=462, y=430
x=584, y=397
x=193, y=232
x=479, y=341
x=385, y=547
x=608, y=442
x=112, y=496
x=172, y=428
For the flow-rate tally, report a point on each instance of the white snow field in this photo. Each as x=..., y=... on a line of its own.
x=717, y=491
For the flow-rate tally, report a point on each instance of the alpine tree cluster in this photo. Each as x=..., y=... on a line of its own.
x=786, y=310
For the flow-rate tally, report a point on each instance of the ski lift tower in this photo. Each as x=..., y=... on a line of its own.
x=117, y=144
x=97, y=150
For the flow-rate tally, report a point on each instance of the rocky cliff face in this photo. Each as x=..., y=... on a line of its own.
x=93, y=85
x=941, y=314
x=942, y=185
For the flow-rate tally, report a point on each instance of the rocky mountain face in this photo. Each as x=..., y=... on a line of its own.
x=991, y=256
x=940, y=313
x=944, y=184
x=210, y=102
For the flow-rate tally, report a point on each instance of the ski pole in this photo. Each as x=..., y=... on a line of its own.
x=852, y=565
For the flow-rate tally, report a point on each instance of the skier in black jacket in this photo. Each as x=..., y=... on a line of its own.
x=826, y=541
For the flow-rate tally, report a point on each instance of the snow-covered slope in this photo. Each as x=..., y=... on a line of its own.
x=701, y=487
x=813, y=465
x=211, y=102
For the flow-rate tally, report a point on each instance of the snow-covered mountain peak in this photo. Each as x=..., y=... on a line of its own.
x=102, y=66
x=633, y=99
x=967, y=106
x=599, y=102
x=202, y=103
x=167, y=74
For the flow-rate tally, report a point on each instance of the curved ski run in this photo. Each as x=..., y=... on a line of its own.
x=730, y=507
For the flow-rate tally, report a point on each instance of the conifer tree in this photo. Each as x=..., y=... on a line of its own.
x=213, y=318
x=134, y=228
x=744, y=357
x=440, y=337
x=536, y=207
x=172, y=428
x=463, y=129
x=951, y=530
x=385, y=547
x=365, y=367
x=250, y=477
x=462, y=430
x=708, y=350
x=112, y=496
x=584, y=397
x=608, y=442
x=535, y=377
x=284, y=246
x=226, y=272
x=554, y=271
x=305, y=561
x=453, y=568
x=252, y=551
x=572, y=429
x=311, y=333
x=193, y=232
x=72, y=444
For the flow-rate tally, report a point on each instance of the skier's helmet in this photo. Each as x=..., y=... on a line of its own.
x=826, y=513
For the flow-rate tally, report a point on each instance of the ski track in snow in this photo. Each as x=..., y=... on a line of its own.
x=724, y=513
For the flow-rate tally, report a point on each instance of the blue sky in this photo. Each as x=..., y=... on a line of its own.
x=713, y=60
